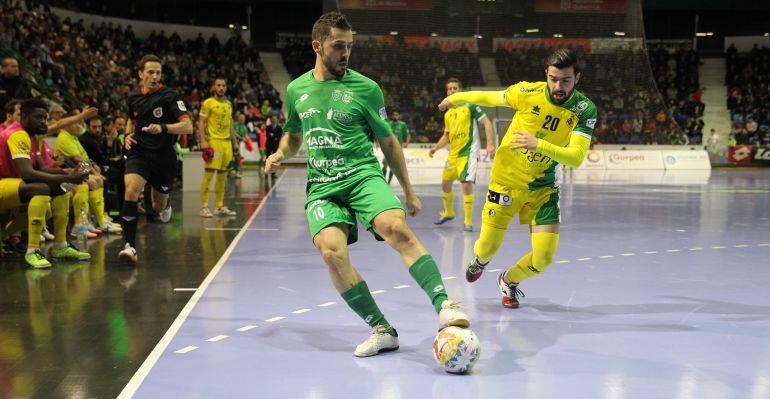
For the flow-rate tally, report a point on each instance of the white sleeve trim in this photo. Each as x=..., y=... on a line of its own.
x=579, y=133
x=481, y=117
x=20, y=156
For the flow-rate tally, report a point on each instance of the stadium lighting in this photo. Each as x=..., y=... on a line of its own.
x=558, y=35
x=478, y=36
x=231, y=26
x=620, y=33
x=393, y=33
x=244, y=27
x=354, y=32
x=533, y=30
x=704, y=34
x=436, y=34
x=767, y=34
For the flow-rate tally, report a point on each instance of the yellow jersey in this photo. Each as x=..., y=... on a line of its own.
x=537, y=115
x=219, y=118
x=462, y=124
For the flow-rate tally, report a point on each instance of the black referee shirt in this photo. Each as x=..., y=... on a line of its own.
x=163, y=106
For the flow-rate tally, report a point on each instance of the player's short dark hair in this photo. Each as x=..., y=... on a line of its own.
x=10, y=106
x=96, y=118
x=218, y=78
x=148, y=58
x=563, y=58
x=322, y=28
x=454, y=80
x=27, y=106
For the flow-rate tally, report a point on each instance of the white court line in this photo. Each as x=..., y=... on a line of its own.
x=186, y=349
x=246, y=328
x=398, y=287
x=560, y=261
x=217, y=338
x=274, y=319
x=449, y=278
x=184, y=289
x=673, y=250
x=494, y=270
x=325, y=304
x=235, y=228
x=763, y=245
x=133, y=385
x=650, y=252
x=681, y=231
x=301, y=311
x=628, y=254
x=696, y=249
x=376, y=292
x=718, y=247
x=741, y=246
x=581, y=259
x=605, y=257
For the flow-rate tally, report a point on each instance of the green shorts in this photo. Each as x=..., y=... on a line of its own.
x=343, y=202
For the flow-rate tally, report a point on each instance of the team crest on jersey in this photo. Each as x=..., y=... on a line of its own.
x=181, y=106
x=303, y=97
x=383, y=113
x=536, y=110
x=157, y=112
x=336, y=95
x=591, y=122
x=570, y=121
x=347, y=97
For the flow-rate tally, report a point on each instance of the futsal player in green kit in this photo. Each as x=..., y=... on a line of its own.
x=338, y=113
x=401, y=131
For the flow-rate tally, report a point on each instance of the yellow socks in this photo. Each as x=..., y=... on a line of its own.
x=96, y=202
x=543, y=248
x=449, y=207
x=80, y=203
x=36, y=215
x=219, y=188
x=468, y=209
x=488, y=243
x=60, y=206
x=208, y=174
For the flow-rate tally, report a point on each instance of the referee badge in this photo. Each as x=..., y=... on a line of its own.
x=158, y=112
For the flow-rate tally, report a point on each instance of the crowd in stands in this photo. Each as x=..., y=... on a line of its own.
x=412, y=79
x=748, y=95
x=85, y=73
x=631, y=109
x=78, y=65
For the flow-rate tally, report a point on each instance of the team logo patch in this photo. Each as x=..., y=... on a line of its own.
x=570, y=121
x=309, y=113
x=181, y=106
x=383, y=113
x=157, y=112
x=347, y=97
x=536, y=110
x=303, y=97
x=591, y=122
x=336, y=95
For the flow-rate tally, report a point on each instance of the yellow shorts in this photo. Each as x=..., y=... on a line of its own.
x=223, y=154
x=538, y=207
x=460, y=168
x=9, y=193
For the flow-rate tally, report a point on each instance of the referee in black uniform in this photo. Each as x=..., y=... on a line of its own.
x=156, y=114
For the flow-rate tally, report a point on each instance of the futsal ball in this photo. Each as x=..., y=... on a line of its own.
x=456, y=349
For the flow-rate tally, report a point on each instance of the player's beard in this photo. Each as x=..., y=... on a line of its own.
x=333, y=66
x=563, y=99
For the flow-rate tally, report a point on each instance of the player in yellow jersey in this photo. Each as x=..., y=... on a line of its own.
x=461, y=131
x=553, y=125
x=216, y=132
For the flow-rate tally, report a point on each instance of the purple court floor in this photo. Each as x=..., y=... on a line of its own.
x=658, y=290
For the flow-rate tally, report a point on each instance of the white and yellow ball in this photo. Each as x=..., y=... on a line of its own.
x=456, y=349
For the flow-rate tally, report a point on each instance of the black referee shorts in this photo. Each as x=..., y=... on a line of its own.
x=157, y=167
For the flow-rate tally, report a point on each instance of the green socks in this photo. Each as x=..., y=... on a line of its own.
x=361, y=301
x=425, y=272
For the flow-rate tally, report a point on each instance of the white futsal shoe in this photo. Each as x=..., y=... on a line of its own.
x=128, y=254
x=451, y=314
x=379, y=341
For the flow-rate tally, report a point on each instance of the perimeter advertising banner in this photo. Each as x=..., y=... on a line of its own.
x=594, y=160
x=634, y=159
x=387, y=5
x=739, y=154
x=762, y=155
x=686, y=160
x=590, y=6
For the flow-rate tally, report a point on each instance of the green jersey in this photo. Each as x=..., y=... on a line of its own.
x=400, y=130
x=338, y=120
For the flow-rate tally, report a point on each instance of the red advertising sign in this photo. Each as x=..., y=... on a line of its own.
x=449, y=44
x=569, y=6
x=411, y=5
x=548, y=43
x=739, y=154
